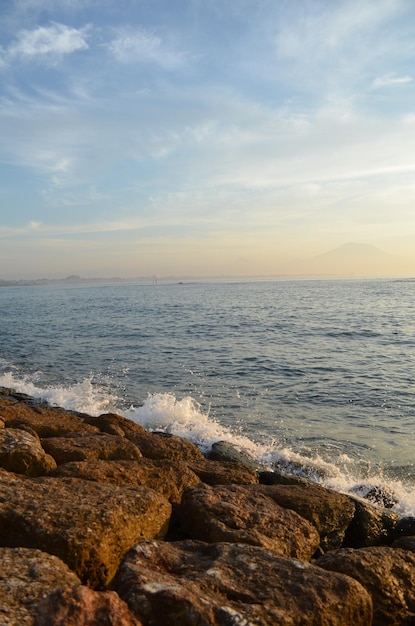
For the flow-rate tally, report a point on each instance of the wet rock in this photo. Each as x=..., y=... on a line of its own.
x=80, y=606
x=238, y=514
x=164, y=446
x=90, y=446
x=45, y=421
x=267, y=477
x=223, y=472
x=168, y=478
x=193, y=584
x=26, y=576
x=226, y=451
x=405, y=527
x=88, y=525
x=22, y=453
x=114, y=424
x=370, y=526
x=382, y=496
x=388, y=575
x=328, y=511
x=405, y=542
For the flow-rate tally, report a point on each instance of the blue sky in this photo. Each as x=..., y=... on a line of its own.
x=190, y=137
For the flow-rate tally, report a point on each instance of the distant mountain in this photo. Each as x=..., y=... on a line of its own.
x=356, y=259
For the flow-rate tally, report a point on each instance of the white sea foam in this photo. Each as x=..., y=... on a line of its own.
x=84, y=396
x=185, y=418
x=164, y=412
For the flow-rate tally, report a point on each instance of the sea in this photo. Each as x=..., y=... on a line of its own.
x=312, y=377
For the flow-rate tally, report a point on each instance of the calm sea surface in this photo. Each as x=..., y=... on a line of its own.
x=315, y=375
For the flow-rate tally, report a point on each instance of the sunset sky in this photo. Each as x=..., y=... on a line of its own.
x=205, y=137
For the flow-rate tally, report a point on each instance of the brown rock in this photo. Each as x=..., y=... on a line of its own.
x=165, y=446
x=169, y=478
x=406, y=543
x=80, y=606
x=88, y=525
x=26, y=576
x=370, y=526
x=226, y=451
x=329, y=511
x=81, y=447
x=114, y=424
x=22, y=453
x=44, y=420
x=194, y=584
x=388, y=574
x=223, y=472
x=238, y=514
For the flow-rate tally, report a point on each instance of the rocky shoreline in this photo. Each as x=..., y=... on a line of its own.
x=103, y=522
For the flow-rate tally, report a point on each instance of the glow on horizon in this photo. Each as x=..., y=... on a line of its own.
x=223, y=137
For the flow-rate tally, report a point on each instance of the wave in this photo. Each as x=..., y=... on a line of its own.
x=184, y=417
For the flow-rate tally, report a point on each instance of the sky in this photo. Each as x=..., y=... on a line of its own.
x=206, y=137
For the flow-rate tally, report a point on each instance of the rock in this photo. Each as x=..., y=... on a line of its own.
x=22, y=453
x=164, y=446
x=26, y=576
x=405, y=527
x=370, y=526
x=90, y=446
x=382, y=496
x=328, y=511
x=88, y=525
x=405, y=542
x=223, y=472
x=45, y=421
x=226, y=451
x=168, y=478
x=114, y=424
x=239, y=514
x=388, y=575
x=276, y=478
x=194, y=584
x=2, y=424
x=80, y=606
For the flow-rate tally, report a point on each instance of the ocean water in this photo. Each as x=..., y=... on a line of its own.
x=313, y=376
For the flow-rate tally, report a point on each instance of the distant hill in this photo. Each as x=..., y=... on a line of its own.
x=356, y=259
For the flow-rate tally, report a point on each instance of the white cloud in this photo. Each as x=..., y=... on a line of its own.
x=143, y=46
x=388, y=80
x=56, y=39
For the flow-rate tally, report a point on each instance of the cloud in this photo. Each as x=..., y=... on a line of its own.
x=143, y=46
x=56, y=39
x=388, y=80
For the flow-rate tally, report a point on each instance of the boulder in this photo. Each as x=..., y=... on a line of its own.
x=88, y=525
x=226, y=451
x=194, y=584
x=27, y=576
x=44, y=420
x=80, y=606
x=388, y=575
x=405, y=542
x=238, y=514
x=90, y=446
x=268, y=477
x=371, y=526
x=168, y=478
x=328, y=511
x=223, y=472
x=22, y=453
x=164, y=446
x=114, y=424
x=405, y=527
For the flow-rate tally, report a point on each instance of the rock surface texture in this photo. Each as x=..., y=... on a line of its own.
x=103, y=523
